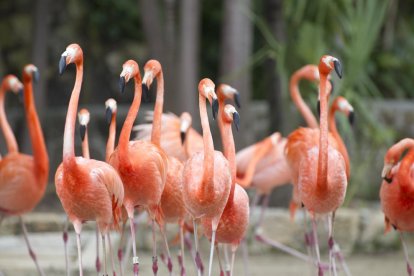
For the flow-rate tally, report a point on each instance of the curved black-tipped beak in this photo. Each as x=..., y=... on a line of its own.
x=236, y=120
x=36, y=76
x=215, y=107
x=183, y=135
x=82, y=131
x=62, y=65
x=318, y=108
x=122, y=84
x=387, y=179
x=145, y=92
x=338, y=68
x=20, y=95
x=332, y=87
x=237, y=99
x=108, y=115
x=351, y=118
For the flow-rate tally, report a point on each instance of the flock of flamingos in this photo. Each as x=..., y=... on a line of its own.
x=175, y=174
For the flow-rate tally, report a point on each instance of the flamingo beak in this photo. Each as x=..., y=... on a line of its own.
x=237, y=99
x=182, y=136
x=318, y=108
x=385, y=171
x=20, y=94
x=36, y=76
x=338, y=68
x=215, y=107
x=145, y=92
x=122, y=83
x=82, y=130
x=62, y=65
x=351, y=118
x=236, y=120
x=108, y=114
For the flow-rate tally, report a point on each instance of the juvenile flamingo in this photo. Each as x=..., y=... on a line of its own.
x=88, y=189
x=235, y=218
x=142, y=165
x=397, y=192
x=23, y=178
x=207, y=177
x=321, y=186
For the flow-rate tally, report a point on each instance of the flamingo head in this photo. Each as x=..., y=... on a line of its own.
x=230, y=115
x=151, y=70
x=30, y=72
x=83, y=117
x=110, y=109
x=328, y=63
x=225, y=91
x=386, y=173
x=73, y=54
x=206, y=89
x=345, y=107
x=13, y=84
x=130, y=70
x=185, y=125
x=275, y=138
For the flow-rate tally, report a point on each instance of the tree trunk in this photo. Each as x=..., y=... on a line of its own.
x=186, y=93
x=235, y=54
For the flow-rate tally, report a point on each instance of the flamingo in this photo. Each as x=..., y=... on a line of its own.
x=309, y=151
x=142, y=165
x=235, y=218
x=207, y=178
x=88, y=189
x=23, y=178
x=9, y=83
x=397, y=193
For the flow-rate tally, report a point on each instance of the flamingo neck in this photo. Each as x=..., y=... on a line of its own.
x=12, y=146
x=341, y=145
x=40, y=156
x=110, y=144
x=208, y=167
x=69, y=133
x=299, y=102
x=130, y=119
x=323, y=136
x=85, y=146
x=404, y=174
x=230, y=154
x=159, y=103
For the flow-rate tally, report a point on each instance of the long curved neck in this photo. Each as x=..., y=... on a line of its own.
x=230, y=154
x=5, y=126
x=260, y=151
x=208, y=166
x=130, y=119
x=69, y=133
x=404, y=174
x=341, y=145
x=159, y=103
x=110, y=144
x=323, y=136
x=40, y=156
x=85, y=146
x=300, y=104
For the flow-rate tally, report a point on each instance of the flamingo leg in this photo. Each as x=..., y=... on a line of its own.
x=197, y=258
x=245, y=253
x=336, y=252
x=154, y=250
x=265, y=203
x=315, y=237
x=121, y=246
x=219, y=260
x=31, y=252
x=309, y=241
x=167, y=248
x=111, y=254
x=233, y=257
x=104, y=254
x=332, y=265
x=97, y=261
x=78, y=229
x=409, y=268
x=213, y=239
x=181, y=255
x=135, y=260
x=226, y=259
x=65, y=244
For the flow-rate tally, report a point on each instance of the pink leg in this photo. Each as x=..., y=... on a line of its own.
x=97, y=261
x=245, y=253
x=32, y=254
x=111, y=254
x=121, y=246
x=315, y=237
x=233, y=257
x=65, y=244
x=197, y=258
x=336, y=252
x=104, y=254
x=219, y=260
x=213, y=240
x=265, y=203
x=135, y=260
x=167, y=248
x=409, y=268
x=181, y=257
x=154, y=250
x=78, y=229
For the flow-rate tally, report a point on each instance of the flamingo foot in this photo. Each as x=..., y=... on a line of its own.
x=120, y=255
x=155, y=265
x=169, y=265
x=320, y=270
x=98, y=264
x=65, y=237
x=222, y=273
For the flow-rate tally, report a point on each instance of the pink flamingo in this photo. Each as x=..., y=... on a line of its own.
x=309, y=151
x=88, y=189
x=397, y=193
x=235, y=218
x=172, y=202
x=142, y=165
x=23, y=178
